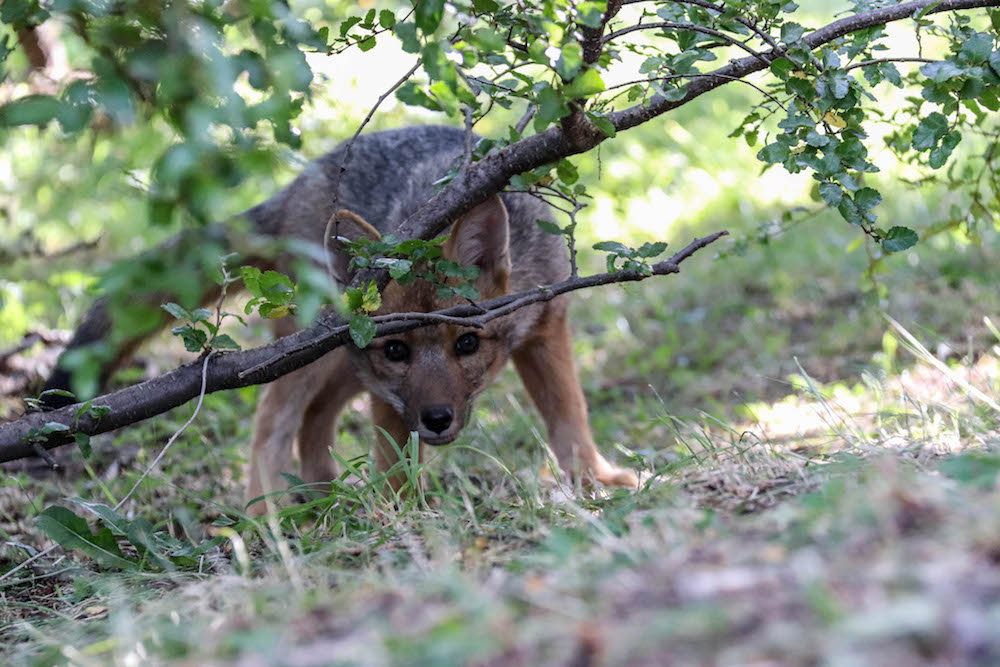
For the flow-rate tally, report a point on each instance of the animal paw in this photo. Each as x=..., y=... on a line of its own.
x=615, y=476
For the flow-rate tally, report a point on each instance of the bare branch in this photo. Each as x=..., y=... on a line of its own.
x=763, y=34
x=693, y=27
x=155, y=396
x=878, y=61
x=737, y=69
x=338, y=174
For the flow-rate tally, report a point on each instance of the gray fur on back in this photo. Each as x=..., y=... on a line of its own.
x=389, y=176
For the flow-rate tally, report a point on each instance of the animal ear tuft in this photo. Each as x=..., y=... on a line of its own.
x=480, y=238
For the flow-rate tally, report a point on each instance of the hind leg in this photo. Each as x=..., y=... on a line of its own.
x=545, y=364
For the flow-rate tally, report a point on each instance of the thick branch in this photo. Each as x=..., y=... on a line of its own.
x=162, y=393
x=657, y=105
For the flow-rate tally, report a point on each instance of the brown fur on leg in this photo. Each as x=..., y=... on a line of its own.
x=280, y=413
x=545, y=364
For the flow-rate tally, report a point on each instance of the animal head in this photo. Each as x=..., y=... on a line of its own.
x=432, y=374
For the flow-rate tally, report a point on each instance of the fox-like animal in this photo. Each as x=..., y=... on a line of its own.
x=424, y=380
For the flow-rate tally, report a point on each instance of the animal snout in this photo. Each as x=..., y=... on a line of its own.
x=437, y=418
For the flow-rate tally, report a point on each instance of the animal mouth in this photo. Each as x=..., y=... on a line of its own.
x=438, y=438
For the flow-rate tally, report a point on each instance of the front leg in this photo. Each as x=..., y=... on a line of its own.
x=386, y=418
x=545, y=364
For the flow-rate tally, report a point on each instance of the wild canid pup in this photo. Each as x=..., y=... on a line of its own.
x=426, y=379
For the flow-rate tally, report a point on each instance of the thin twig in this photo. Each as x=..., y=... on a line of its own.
x=670, y=25
x=197, y=409
x=877, y=61
x=670, y=77
x=342, y=167
x=529, y=113
x=752, y=25
x=477, y=315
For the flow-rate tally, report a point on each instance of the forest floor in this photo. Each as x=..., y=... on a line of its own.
x=819, y=489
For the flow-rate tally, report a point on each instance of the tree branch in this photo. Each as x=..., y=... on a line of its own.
x=636, y=115
x=155, y=396
x=669, y=25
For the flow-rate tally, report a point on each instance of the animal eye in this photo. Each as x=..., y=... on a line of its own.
x=467, y=343
x=397, y=350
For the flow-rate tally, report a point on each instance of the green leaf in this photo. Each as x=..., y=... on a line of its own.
x=570, y=61
x=276, y=287
x=924, y=11
x=112, y=519
x=939, y=156
x=72, y=532
x=273, y=312
x=362, y=330
x=899, y=238
x=591, y=14
x=372, y=300
x=550, y=107
x=867, y=198
x=348, y=23
x=771, y=153
x=929, y=131
x=54, y=427
x=225, y=342
x=177, y=311
x=406, y=33
x=251, y=279
x=428, y=16
x=602, y=124
x=612, y=246
x=791, y=32
x=652, y=249
x=995, y=62
x=83, y=442
x=386, y=19
x=194, y=339
x=782, y=68
x=849, y=211
x=831, y=193
x=466, y=291
x=549, y=227
x=57, y=392
x=839, y=82
x=977, y=49
x=148, y=543
x=30, y=110
x=588, y=83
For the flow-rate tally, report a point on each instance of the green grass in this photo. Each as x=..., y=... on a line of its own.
x=869, y=535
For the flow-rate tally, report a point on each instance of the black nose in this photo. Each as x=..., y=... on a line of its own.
x=437, y=417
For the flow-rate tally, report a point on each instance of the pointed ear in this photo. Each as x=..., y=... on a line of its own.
x=350, y=226
x=480, y=238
